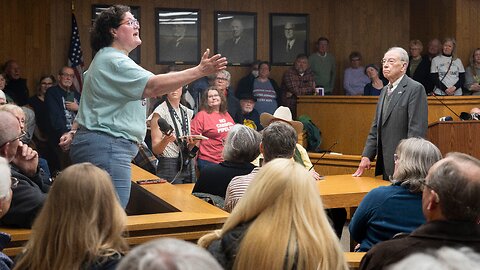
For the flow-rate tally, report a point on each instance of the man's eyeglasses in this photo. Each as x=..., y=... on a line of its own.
x=132, y=23
x=389, y=61
x=14, y=182
x=19, y=137
x=424, y=184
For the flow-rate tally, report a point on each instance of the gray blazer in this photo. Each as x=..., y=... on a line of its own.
x=407, y=116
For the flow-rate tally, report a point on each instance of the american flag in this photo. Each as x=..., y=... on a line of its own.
x=75, y=57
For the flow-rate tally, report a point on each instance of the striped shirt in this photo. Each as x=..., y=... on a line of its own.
x=237, y=188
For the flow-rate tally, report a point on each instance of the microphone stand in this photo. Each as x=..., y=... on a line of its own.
x=435, y=96
x=324, y=153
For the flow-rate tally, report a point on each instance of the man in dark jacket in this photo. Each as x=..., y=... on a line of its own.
x=451, y=207
x=28, y=197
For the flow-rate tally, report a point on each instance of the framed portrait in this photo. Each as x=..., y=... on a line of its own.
x=135, y=10
x=236, y=37
x=177, y=36
x=288, y=37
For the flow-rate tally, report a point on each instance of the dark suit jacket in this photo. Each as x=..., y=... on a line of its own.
x=282, y=55
x=407, y=116
x=242, y=52
x=186, y=51
x=422, y=73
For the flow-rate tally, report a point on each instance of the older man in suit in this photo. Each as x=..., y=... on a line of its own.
x=402, y=112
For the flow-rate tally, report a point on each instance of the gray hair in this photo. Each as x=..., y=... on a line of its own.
x=168, y=254
x=8, y=126
x=227, y=74
x=445, y=258
x=279, y=141
x=5, y=181
x=242, y=144
x=401, y=53
x=416, y=156
x=456, y=180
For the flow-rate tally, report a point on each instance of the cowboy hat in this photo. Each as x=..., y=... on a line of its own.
x=284, y=114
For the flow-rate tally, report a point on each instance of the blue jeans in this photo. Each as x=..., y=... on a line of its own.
x=114, y=155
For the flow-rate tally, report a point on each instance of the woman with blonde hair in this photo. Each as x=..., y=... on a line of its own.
x=80, y=225
x=280, y=223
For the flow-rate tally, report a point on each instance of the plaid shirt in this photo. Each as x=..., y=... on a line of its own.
x=297, y=85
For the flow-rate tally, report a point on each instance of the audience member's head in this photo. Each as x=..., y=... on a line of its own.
x=301, y=63
x=264, y=69
x=81, y=222
x=452, y=189
x=12, y=70
x=242, y=144
x=474, y=59
x=322, y=45
x=17, y=112
x=168, y=254
x=3, y=82
x=285, y=229
x=413, y=158
x=44, y=83
x=445, y=258
x=254, y=68
x=372, y=71
x=434, y=46
x=222, y=80
x=449, y=47
x=278, y=141
x=355, y=59
x=10, y=135
x=475, y=110
x=5, y=186
x=247, y=102
x=416, y=48
x=213, y=98
x=65, y=77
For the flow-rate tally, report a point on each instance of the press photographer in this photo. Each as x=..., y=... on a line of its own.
x=171, y=140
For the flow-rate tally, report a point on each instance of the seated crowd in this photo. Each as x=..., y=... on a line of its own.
x=239, y=148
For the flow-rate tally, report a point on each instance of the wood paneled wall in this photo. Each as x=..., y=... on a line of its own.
x=37, y=32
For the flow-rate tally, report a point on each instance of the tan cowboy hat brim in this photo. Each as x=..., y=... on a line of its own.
x=266, y=119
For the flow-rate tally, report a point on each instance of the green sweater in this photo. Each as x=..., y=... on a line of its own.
x=323, y=68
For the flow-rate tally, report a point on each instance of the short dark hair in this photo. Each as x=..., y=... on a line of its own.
x=457, y=190
x=301, y=56
x=265, y=63
x=278, y=141
x=100, y=35
x=355, y=54
x=323, y=39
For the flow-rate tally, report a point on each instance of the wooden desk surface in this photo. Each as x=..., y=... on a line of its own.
x=353, y=258
x=337, y=191
x=195, y=218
